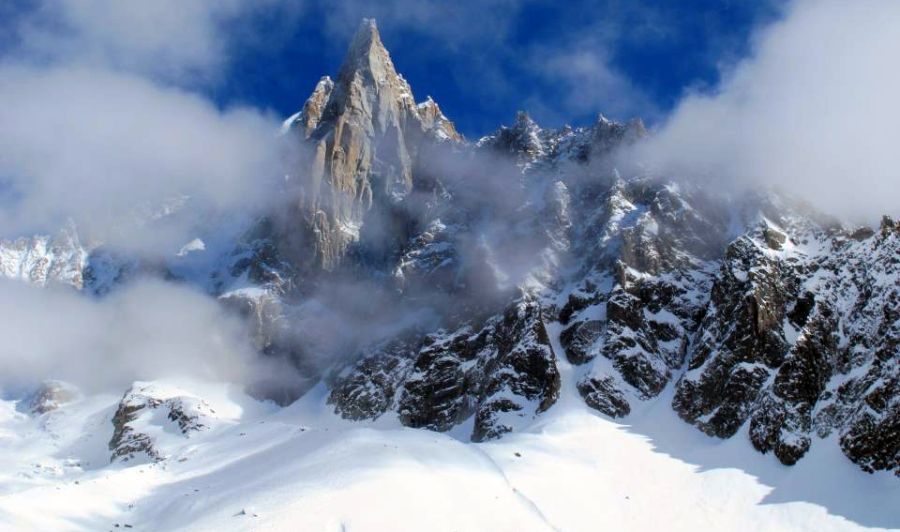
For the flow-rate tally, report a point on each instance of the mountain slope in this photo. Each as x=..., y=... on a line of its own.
x=261, y=467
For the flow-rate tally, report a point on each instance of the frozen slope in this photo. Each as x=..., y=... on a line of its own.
x=258, y=467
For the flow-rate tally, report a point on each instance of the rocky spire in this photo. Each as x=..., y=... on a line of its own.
x=364, y=132
x=522, y=139
x=308, y=118
x=435, y=122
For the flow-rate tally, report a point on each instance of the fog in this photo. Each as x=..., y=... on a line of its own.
x=813, y=111
x=105, y=124
x=148, y=329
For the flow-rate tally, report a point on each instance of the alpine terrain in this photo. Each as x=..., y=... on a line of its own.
x=527, y=331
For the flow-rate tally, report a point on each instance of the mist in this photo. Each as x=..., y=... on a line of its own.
x=149, y=329
x=108, y=128
x=813, y=111
x=98, y=147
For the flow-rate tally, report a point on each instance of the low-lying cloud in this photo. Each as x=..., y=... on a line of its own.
x=813, y=111
x=106, y=149
x=147, y=330
x=101, y=127
x=103, y=123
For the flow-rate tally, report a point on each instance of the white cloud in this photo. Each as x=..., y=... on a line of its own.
x=814, y=111
x=95, y=128
x=169, y=38
x=149, y=330
x=584, y=81
x=95, y=145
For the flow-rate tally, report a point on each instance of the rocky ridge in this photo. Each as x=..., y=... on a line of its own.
x=660, y=283
x=767, y=319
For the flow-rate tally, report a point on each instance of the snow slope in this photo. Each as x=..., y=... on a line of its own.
x=259, y=467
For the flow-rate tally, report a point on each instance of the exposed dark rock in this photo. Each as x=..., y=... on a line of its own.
x=802, y=363
x=603, y=395
x=368, y=388
x=740, y=340
x=442, y=388
x=578, y=339
x=501, y=374
x=888, y=226
x=862, y=233
x=774, y=238
x=576, y=303
x=524, y=366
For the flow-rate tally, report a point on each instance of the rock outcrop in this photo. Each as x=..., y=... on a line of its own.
x=49, y=396
x=148, y=414
x=800, y=340
x=503, y=373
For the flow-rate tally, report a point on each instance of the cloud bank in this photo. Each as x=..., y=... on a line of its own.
x=97, y=145
x=148, y=330
x=813, y=111
x=99, y=127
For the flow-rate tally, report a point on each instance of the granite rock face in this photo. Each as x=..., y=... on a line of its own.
x=307, y=119
x=800, y=341
x=361, y=134
x=435, y=123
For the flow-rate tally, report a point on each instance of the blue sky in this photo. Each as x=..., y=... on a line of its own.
x=482, y=61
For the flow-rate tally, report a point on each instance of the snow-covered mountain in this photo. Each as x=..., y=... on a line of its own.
x=43, y=259
x=616, y=344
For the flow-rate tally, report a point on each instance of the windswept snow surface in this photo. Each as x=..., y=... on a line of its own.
x=259, y=467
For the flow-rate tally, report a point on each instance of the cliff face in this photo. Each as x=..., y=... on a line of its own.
x=800, y=340
x=759, y=313
x=361, y=136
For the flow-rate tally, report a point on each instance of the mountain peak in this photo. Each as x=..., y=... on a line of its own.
x=435, y=122
x=367, y=36
x=367, y=54
x=367, y=31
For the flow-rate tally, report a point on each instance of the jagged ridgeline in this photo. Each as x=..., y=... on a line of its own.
x=761, y=313
x=466, y=284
